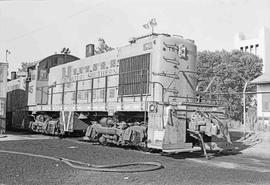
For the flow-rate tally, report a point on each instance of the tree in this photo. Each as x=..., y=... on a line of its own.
x=232, y=70
x=24, y=66
x=102, y=46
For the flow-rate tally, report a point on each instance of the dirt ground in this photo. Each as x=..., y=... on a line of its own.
x=185, y=168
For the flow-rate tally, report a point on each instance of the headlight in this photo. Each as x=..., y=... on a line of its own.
x=152, y=108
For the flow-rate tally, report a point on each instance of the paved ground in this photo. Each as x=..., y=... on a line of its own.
x=262, y=148
x=11, y=136
x=185, y=168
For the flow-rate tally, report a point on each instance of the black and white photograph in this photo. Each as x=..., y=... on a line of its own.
x=134, y=92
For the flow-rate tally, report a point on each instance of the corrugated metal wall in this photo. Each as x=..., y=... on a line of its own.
x=134, y=74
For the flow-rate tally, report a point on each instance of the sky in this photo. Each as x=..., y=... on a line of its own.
x=34, y=29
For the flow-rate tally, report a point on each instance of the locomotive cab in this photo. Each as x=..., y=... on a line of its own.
x=37, y=78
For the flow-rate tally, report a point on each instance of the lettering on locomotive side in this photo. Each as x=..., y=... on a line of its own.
x=102, y=73
x=71, y=74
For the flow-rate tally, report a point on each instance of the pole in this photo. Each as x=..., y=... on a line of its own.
x=244, y=106
x=7, y=52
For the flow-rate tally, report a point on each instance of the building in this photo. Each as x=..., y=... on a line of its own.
x=263, y=98
x=3, y=95
x=259, y=46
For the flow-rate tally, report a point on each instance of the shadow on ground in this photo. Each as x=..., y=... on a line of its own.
x=232, y=149
x=235, y=148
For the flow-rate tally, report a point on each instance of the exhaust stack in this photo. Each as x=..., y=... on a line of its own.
x=90, y=50
x=13, y=75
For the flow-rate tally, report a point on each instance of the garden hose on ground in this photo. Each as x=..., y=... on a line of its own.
x=90, y=167
x=200, y=138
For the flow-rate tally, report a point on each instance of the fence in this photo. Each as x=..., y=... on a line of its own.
x=257, y=115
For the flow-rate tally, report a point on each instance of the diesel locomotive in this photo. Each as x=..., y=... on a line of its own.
x=142, y=94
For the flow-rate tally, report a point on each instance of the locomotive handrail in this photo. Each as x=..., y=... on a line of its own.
x=65, y=89
x=196, y=98
x=199, y=104
x=77, y=81
x=92, y=78
x=171, y=46
x=108, y=75
x=168, y=75
x=41, y=89
x=172, y=61
x=163, y=89
x=162, y=98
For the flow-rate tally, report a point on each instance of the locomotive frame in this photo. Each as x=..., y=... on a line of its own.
x=131, y=100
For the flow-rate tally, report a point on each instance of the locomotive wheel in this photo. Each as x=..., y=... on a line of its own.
x=102, y=140
x=143, y=147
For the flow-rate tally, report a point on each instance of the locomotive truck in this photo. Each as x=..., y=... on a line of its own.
x=142, y=94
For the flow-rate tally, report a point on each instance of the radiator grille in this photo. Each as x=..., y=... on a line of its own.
x=134, y=75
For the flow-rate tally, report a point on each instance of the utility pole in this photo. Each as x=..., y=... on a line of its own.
x=244, y=107
x=7, y=53
x=244, y=101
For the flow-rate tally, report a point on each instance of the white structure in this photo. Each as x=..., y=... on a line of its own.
x=3, y=95
x=259, y=46
x=263, y=97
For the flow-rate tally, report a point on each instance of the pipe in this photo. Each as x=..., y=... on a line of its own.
x=90, y=167
x=200, y=138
